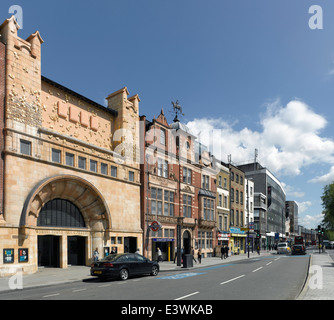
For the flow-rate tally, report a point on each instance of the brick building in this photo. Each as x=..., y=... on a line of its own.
x=178, y=187
x=70, y=180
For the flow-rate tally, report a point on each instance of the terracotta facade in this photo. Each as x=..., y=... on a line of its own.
x=62, y=149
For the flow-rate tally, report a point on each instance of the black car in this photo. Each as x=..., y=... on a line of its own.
x=123, y=265
x=298, y=249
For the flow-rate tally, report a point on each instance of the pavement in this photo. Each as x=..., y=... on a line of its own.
x=318, y=286
x=320, y=282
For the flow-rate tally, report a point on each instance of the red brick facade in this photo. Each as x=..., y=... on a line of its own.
x=177, y=187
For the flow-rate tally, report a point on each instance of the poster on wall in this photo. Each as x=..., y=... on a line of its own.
x=8, y=255
x=23, y=255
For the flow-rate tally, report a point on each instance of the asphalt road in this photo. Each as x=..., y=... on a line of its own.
x=276, y=277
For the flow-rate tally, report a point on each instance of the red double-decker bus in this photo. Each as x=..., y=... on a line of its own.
x=299, y=240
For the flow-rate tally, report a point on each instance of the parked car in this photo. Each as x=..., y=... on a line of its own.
x=283, y=247
x=123, y=265
x=298, y=249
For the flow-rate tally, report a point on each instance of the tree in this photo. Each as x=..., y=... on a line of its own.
x=328, y=205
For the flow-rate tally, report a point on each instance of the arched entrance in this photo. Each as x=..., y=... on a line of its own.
x=187, y=242
x=69, y=218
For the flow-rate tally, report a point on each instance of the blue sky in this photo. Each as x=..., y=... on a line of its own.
x=253, y=71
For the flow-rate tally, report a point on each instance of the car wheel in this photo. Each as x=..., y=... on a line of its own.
x=155, y=271
x=124, y=274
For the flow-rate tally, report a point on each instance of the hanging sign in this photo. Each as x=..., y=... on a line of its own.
x=155, y=226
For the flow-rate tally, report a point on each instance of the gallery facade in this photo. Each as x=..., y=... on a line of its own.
x=68, y=181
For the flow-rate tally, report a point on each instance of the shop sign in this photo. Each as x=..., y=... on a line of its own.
x=223, y=235
x=23, y=255
x=8, y=255
x=236, y=230
x=163, y=239
x=155, y=226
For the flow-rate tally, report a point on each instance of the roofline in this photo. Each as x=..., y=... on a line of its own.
x=81, y=97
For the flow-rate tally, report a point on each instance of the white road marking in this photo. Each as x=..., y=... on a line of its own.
x=269, y=263
x=233, y=279
x=188, y=295
x=77, y=290
x=257, y=269
x=51, y=295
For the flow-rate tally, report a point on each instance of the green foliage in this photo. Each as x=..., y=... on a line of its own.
x=328, y=205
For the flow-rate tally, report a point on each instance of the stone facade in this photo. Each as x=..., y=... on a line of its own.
x=59, y=145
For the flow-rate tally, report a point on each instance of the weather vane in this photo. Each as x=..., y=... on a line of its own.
x=177, y=109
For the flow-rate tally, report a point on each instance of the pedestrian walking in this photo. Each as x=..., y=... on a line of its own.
x=226, y=251
x=222, y=251
x=175, y=256
x=96, y=254
x=193, y=254
x=199, y=255
x=159, y=254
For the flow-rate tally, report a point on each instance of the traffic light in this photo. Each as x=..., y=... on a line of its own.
x=319, y=230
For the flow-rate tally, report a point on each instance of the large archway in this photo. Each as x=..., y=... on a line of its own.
x=78, y=191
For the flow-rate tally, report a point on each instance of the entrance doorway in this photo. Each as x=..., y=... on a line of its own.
x=76, y=251
x=130, y=244
x=48, y=251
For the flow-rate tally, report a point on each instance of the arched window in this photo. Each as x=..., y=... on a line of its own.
x=60, y=213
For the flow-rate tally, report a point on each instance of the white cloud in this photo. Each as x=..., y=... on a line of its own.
x=303, y=206
x=310, y=221
x=289, y=141
x=324, y=179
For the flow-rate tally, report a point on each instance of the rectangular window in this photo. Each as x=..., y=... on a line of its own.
x=93, y=165
x=159, y=167
x=165, y=169
x=205, y=182
x=208, y=209
x=187, y=201
x=187, y=175
x=82, y=163
x=25, y=147
x=70, y=159
x=56, y=155
x=113, y=171
x=168, y=203
x=163, y=136
x=131, y=176
x=104, y=168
